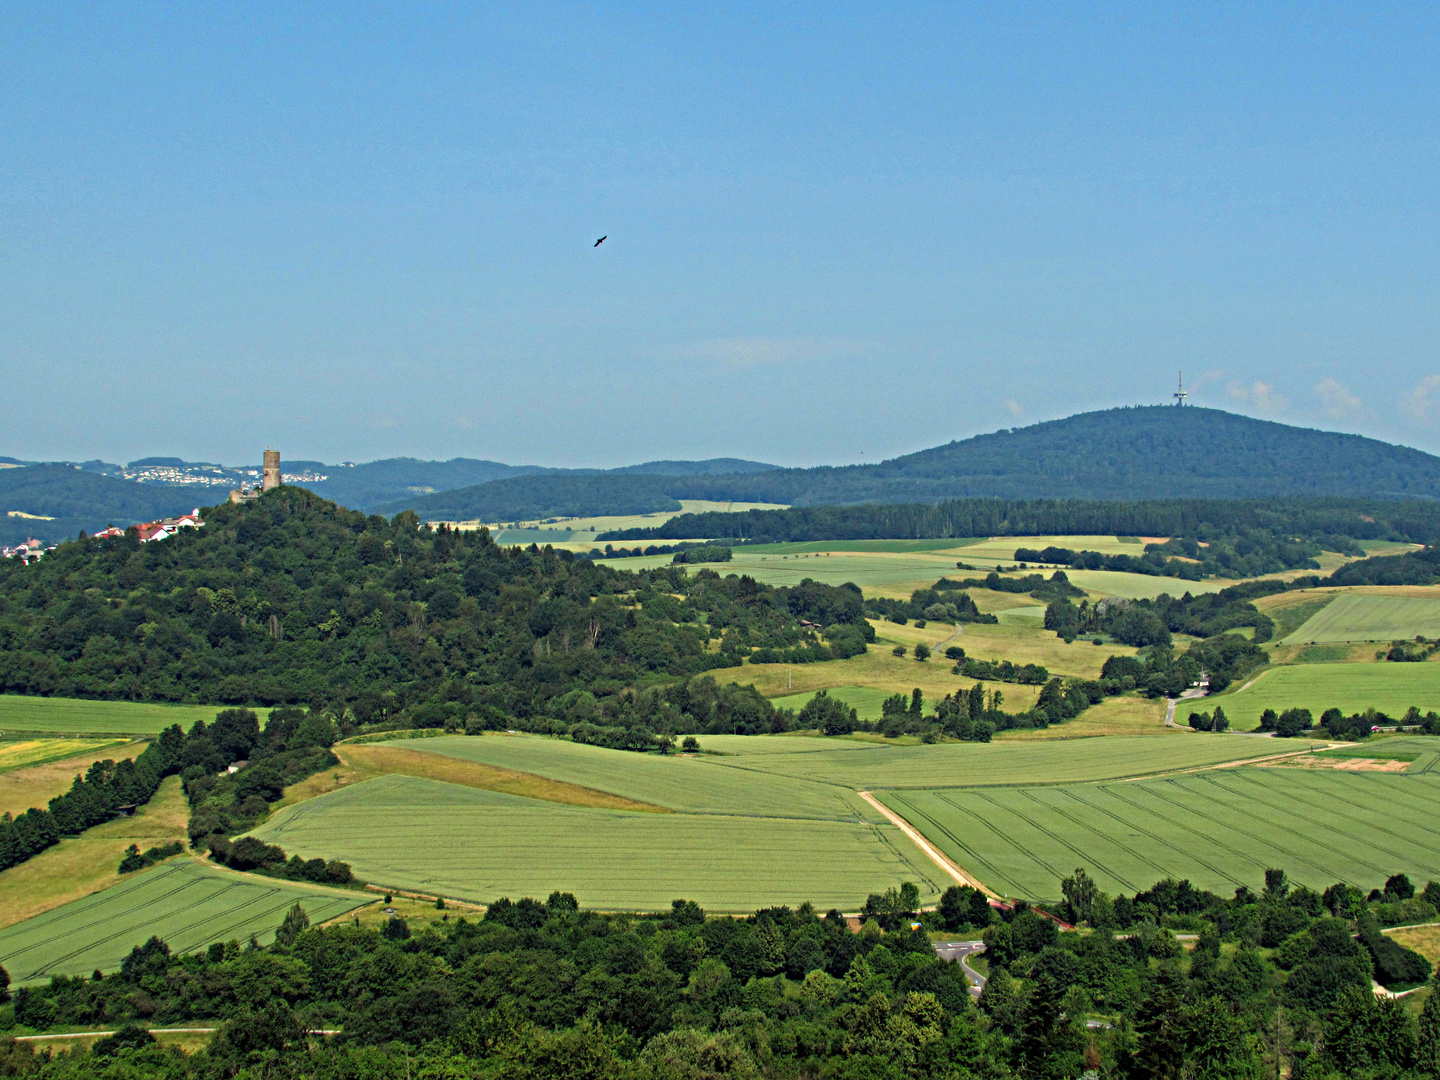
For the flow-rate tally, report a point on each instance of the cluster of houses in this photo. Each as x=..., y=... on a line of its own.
x=158, y=530
x=32, y=550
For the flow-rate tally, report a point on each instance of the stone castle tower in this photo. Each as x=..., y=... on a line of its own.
x=269, y=478
x=270, y=473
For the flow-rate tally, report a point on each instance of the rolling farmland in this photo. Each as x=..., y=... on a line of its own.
x=186, y=903
x=74, y=715
x=1391, y=688
x=477, y=845
x=1219, y=828
x=747, y=767
x=1352, y=617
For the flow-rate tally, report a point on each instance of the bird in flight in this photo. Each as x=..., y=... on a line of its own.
x=601, y=240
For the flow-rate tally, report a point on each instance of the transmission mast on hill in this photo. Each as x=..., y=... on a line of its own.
x=1179, y=394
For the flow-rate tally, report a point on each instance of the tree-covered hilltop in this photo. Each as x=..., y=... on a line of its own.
x=290, y=598
x=1148, y=452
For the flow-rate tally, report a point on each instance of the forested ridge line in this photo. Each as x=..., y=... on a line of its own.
x=1148, y=452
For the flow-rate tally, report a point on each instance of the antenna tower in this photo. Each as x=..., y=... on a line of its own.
x=1179, y=394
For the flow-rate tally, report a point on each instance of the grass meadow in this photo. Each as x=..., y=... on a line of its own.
x=1219, y=828
x=477, y=845
x=187, y=903
x=76, y=716
x=1352, y=617
x=1390, y=688
x=80, y=865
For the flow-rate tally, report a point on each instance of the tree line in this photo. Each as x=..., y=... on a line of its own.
x=548, y=989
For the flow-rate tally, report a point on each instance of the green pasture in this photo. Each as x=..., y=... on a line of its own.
x=1351, y=617
x=76, y=716
x=478, y=845
x=1218, y=828
x=186, y=903
x=865, y=700
x=1391, y=688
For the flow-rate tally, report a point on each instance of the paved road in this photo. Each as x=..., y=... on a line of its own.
x=1188, y=695
x=962, y=951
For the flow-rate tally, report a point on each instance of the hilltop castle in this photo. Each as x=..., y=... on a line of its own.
x=269, y=478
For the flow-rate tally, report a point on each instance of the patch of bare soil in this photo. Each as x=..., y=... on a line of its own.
x=1342, y=764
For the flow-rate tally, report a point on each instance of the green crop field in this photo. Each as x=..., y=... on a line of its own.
x=1391, y=688
x=75, y=716
x=477, y=845
x=812, y=776
x=1219, y=828
x=999, y=763
x=1353, y=617
x=687, y=784
x=187, y=903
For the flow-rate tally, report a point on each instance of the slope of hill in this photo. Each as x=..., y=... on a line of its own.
x=1149, y=452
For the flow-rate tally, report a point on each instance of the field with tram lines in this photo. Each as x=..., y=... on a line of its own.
x=1219, y=828
x=187, y=904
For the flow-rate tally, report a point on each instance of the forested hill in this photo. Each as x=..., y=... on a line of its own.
x=291, y=599
x=1150, y=452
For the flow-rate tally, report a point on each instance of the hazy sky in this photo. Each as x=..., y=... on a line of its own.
x=837, y=232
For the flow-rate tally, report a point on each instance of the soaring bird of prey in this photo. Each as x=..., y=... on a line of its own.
x=601, y=240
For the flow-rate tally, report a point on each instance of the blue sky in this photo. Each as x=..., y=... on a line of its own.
x=837, y=232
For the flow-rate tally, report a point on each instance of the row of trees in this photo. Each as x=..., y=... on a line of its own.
x=548, y=989
x=1333, y=524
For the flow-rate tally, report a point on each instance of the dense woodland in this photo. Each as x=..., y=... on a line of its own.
x=1274, y=982
x=290, y=599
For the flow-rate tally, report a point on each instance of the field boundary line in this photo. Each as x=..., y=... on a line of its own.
x=1211, y=768
x=934, y=854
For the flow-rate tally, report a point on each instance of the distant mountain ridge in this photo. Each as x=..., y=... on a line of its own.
x=1143, y=452
x=1136, y=453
